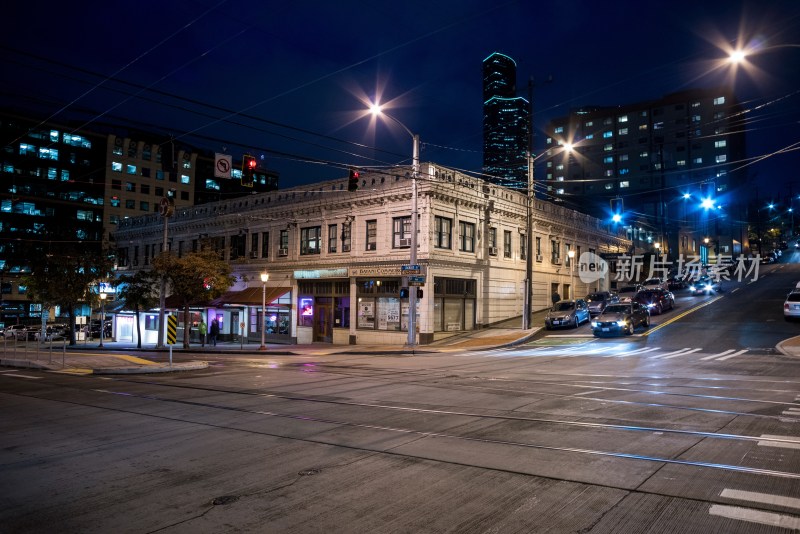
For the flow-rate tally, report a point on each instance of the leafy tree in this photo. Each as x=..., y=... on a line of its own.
x=140, y=292
x=196, y=277
x=66, y=280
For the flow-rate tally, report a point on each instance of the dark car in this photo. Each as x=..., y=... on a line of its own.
x=620, y=318
x=677, y=281
x=655, y=300
x=598, y=301
x=567, y=313
x=94, y=333
x=704, y=285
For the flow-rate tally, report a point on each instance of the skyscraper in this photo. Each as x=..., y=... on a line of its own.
x=506, y=124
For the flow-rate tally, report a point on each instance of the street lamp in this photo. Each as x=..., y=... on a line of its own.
x=412, y=295
x=571, y=255
x=264, y=278
x=102, y=317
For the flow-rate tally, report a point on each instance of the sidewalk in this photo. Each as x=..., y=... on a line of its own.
x=118, y=357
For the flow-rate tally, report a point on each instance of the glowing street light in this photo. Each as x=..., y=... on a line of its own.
x=571, y=255
x=375, y=109
x=102, y=317
x=264, y=278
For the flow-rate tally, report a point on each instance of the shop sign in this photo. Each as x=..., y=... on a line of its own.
x=320, y=273
x=375, y=271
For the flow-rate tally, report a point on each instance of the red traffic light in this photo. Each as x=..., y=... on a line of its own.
x=251, y=163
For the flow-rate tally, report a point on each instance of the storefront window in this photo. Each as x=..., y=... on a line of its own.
x=305, y=311
x=366, y=313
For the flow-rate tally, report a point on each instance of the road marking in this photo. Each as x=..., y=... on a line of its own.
x=636, y=351
x=680, y=315
x=763, y=498
x=23, y=376
x=794, y=444
x=681, y=352
x=755, y=516
x=732, y=355
x=712, y=356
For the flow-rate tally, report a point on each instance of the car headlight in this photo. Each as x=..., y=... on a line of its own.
x=594, y=324
x=709, y=287
x=693, y=288
x=622, y=322
x=651, y=305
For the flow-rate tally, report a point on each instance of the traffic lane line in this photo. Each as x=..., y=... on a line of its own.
x=680, y=315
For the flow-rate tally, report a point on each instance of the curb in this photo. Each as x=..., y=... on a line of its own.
x=187, y=366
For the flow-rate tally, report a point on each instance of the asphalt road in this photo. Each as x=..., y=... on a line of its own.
x=688, y=426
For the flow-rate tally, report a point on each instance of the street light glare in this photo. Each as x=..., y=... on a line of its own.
x=707, y=203
x=375, y=109
x=737, y=56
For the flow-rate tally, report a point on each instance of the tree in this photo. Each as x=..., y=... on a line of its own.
x=140, y=292
x=66, y=280
x=194, y=278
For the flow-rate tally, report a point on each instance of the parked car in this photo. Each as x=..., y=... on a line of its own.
x=626, y=293
x=655, y=283
x=567, y=313
x=15, y=331
x=598, y=301
x=94, y=333
x=655, y=300
x=620, y=318
x=791, y=306
x=704, y=285
x=53, y=332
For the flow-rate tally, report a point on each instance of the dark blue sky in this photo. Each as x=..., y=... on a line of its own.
x=286, y=80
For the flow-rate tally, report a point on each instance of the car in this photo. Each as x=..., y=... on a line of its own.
x=15, y=331
x=94, y=332
x=655, y=300
x=567, y=313
x=791, y=306
x=626, y=293
x=677, y=282
x=655, y=283
x=704, y=285
x=598, y=301
x=620, y=318
x=53, y=332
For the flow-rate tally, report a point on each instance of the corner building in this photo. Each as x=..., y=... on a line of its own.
x=336, y=259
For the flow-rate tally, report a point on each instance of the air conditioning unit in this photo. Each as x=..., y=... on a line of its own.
x=539, y=257
x=345, y=248
x=556, y=261
x=405, y=242
x=254, y=254
x=283, y=252
x=371, y=246
x=492, y=251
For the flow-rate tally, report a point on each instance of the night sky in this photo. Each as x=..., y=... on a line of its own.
x=289, y=81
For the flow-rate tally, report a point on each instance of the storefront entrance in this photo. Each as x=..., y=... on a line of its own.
x=323, y=330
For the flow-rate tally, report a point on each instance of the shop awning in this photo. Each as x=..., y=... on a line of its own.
x=252, y=296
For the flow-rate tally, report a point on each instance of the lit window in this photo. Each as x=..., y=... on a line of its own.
x=559, y=178
x=719, y=100
x=681, y=163
x=608, y=147
x=623, y=118
x=64, y=175
x=609, y=186
x=130, y=169
x=116, y=166
x=609, y=172
x=589, y=124
x=697, y=160
x=559, y=129
x=623, y=157
x=559, y=167
x=607, y=134
x=623, y=131
x=642, y=127
x=721, y=158
x=590, y=136
x=624, y=171
x=608, y=159
x=695, y=118
x=720, y=144
x=48, y=153
x=144, y=206
x=52, y=173
x=115, y=201
x=559, y=191
x=719, y=115
x=658, y=125
x=624, y=184
x=184, y=179
x=212, y=185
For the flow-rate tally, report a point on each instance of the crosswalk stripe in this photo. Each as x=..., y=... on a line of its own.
x=794, y=444
x=692, y=351
x=22, y=376
x=712, y=356
x=755, y=516
x=739, y=353
x=637, y=351
x=763, y=498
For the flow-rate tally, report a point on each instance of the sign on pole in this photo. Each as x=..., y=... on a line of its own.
x=172, y=329
x=222, y=165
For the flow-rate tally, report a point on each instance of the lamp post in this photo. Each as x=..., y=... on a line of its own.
x=102, y=317
x=264, y=278
x=571, y=255
x=412, y=295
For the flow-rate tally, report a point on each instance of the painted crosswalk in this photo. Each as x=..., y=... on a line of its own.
x=588, y=348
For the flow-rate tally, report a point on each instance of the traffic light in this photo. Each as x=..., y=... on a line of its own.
x=403, y=292
x=248, y=170
x=352, y=182
x=419, y=292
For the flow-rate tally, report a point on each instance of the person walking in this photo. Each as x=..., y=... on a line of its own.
x=203, y=331
x=214, y=332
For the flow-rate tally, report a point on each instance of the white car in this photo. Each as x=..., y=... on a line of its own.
x=656, y=283
x=791, y=307
x=16, y=331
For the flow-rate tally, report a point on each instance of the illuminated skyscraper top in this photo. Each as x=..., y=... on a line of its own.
x=506, y=124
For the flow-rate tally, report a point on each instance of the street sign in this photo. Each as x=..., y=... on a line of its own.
x=410, y=269
x=416, y=280
x=172, y=329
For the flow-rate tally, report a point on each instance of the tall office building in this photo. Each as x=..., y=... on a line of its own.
x=506, y=124
x=671, y=166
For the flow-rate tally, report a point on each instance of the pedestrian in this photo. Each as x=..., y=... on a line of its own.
x=214, y=332
x=555, y=297
x=203, y=331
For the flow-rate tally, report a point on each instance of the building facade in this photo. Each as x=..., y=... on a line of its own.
x=671, y=169
x=506, y=124
x=338, y=261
